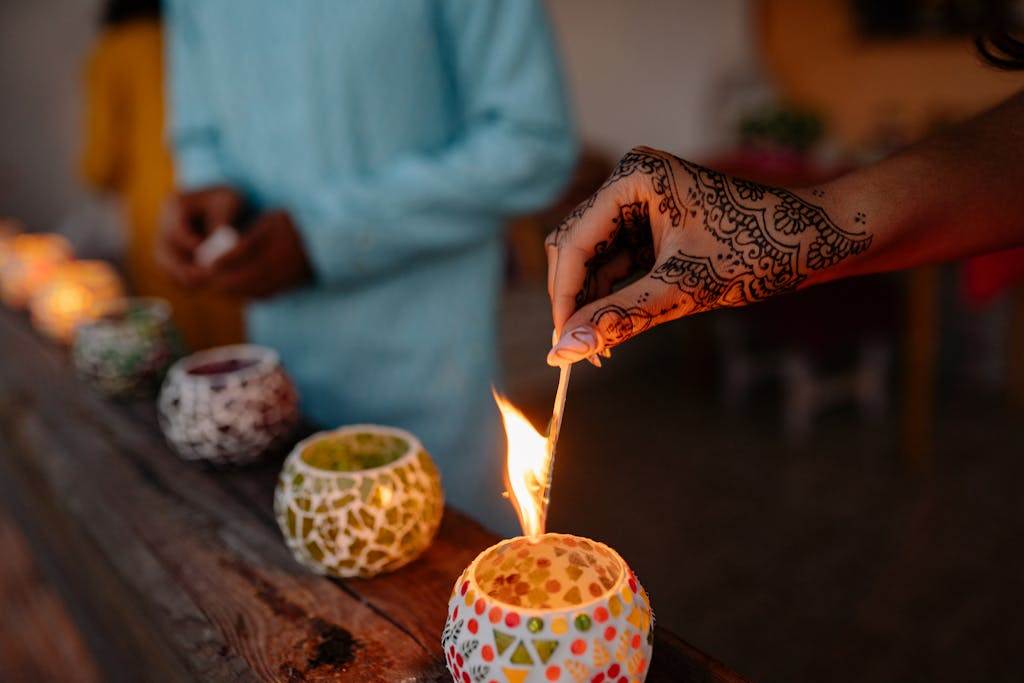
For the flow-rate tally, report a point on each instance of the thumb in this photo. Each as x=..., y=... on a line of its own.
x=611, y=320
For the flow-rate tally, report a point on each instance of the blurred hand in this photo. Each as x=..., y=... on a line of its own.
x=190, y=217
x=268, y=259
x=665, y=238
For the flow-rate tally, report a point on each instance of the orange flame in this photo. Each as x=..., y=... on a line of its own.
x=527, y=468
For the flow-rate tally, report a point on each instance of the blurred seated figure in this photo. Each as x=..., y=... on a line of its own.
x=370, y=155
x=125, y=154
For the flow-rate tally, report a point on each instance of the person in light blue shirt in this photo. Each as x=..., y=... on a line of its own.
x=377, y=148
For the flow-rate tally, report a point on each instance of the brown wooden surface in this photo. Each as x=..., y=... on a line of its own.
x=174, y=572
x=38, y=639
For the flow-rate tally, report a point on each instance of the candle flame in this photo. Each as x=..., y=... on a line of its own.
x=70, y=299
x=526, y=468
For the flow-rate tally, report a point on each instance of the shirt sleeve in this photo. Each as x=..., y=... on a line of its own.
x=193, y=130
x=514, y=153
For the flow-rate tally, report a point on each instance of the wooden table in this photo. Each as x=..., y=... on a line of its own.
x=174, y=572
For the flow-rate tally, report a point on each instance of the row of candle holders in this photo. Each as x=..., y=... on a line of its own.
x=352, y=502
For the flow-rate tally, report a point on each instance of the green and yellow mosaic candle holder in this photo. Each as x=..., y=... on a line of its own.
x=126, y=351
x=358, y=501
x=563, y=608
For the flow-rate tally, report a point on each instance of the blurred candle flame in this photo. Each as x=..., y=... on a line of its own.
x=526, y=468
x=69, y=299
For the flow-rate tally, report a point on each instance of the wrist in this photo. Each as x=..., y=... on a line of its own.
x=853, y=214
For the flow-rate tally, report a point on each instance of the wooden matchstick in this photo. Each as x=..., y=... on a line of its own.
x=553, y=431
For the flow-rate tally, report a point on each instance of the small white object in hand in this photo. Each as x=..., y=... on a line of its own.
x=222, y=240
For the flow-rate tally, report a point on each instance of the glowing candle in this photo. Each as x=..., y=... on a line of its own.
x=74, y=294
x=544, y=606
x=29, y=261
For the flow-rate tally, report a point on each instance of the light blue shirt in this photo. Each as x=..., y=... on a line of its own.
x=399, y=134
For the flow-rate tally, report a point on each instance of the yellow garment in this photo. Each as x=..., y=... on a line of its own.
x=125, y=153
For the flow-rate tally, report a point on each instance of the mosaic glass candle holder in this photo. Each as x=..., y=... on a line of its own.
x=126, y=350
x=231, y=405
x=29, y=261
x=75, y=294
x=359, y=501
x=564, y=608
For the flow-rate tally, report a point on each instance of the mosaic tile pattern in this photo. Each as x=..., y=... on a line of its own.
x=607, y=637
x=363, y=522
x=126, y=352
x=228, y=406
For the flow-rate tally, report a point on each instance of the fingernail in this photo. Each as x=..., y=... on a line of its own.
x=576, y=344
x=595, y=361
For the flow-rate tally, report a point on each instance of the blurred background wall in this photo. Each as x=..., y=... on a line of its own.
x=42, y=47
x=647, y=73
x=637, y=72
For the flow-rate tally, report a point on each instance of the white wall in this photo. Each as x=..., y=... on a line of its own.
x=646, y=71
x=42, y=43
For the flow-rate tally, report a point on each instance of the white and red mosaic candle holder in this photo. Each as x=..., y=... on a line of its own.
x=562, y=609
x=230, y=405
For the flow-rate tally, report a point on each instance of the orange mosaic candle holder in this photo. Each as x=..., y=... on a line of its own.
x=77, y=293
x=28, y=263
x=563, y=608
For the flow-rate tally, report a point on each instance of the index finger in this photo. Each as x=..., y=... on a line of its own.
x=576, y=241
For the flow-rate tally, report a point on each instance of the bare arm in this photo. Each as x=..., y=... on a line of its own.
x=954, y=195
x=689, y=239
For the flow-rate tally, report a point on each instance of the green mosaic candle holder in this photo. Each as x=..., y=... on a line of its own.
x=359, y=501
x=126, y=351
x=564, y=608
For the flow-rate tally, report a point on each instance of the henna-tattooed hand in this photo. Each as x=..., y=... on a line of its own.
x=665, y=238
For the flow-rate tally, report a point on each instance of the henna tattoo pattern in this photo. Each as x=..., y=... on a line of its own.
x=635, y=161
x=763, y=241
x=630, y=244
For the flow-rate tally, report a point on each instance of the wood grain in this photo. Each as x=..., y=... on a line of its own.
x=193, y=558
x=38, y=639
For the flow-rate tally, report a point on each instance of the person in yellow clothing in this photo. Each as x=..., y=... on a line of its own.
x=126, y=154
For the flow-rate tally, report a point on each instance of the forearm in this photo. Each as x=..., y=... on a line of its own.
x=954, y=195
